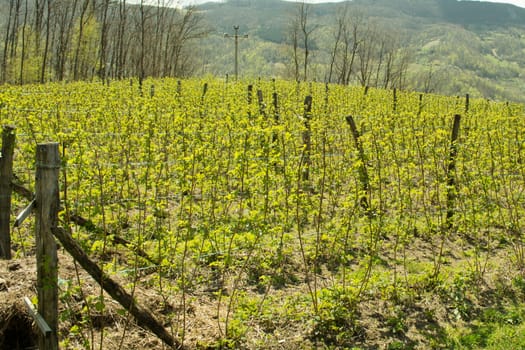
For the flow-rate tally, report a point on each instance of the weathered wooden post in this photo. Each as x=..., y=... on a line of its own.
x=394, y=104
x=250, y=94
x=179, y=88
x=6, y=175
x=420, y=108
x=47, y=204
x=260, y=101
x=363, y=173
x=276, y=115
x=307, y=138
x=451, y=173
x=204, y=91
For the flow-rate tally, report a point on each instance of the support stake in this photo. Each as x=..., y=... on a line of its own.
x=451, y=173
x=6, y=174
x=363, y=173
x=47, y=204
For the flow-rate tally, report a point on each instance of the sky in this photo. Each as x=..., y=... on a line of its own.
x=520, y=3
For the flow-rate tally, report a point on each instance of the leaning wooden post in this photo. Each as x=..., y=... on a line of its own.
x=143, y=317
x=363, y=173
x=451, y=173
x=47, y=204
x=6, y=175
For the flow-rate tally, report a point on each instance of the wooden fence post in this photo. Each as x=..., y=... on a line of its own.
x=276, y=116
x=307, y=138
x=451, y=173
x=6, y=175
x=262, y=106
x=47, y=204
x=394, y=104
x=250, y=93
x=420, y=108
x=204, y=91
x=363, y=173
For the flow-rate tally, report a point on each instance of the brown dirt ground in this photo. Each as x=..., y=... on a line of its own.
x=425, y=317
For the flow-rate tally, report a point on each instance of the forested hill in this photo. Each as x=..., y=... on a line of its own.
x=483, y=15
x=464, y=46
x=477, y=13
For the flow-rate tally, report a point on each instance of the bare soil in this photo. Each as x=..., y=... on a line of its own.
x=419, y=321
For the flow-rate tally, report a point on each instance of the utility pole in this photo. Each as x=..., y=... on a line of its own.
x=236, y=37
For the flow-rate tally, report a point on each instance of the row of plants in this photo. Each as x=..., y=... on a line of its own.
x=279, y=213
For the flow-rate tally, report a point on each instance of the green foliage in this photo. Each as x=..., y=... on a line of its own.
x=337, y=322
x=209, y=191
x=496, y=329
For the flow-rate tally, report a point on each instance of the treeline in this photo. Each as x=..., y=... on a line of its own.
x=360, y=50
x=55, y=40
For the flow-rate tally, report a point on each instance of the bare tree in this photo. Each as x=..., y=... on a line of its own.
x=84, y=17
x=120, y=54
x=23, y=53
x=64, y=17
x=366, y=55
x=306, y=31
x=351, y=43
x=347, y=39
x=9, y=32
x=47, y=41
x=142, y=27
x=40, y=6
x=365, y=52
x=104, y=39
x=299, y=37
x=188, y=28
x=78, y=39
x=381, y=57
x=160, y=29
